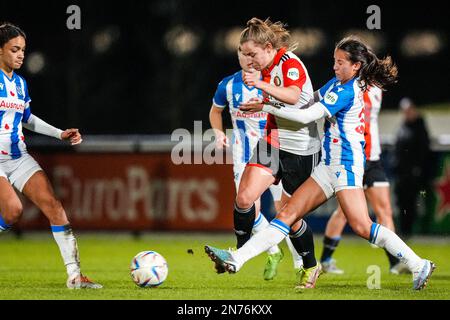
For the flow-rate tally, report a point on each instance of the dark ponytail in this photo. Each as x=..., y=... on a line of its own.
x=9, y=31
x=373, y=71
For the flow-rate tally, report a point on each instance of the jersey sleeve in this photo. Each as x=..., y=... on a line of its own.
x=220, y=97
x=376, y=95
x=27, y=99
x=293, y=73
x=336, y=100
x=326, y=87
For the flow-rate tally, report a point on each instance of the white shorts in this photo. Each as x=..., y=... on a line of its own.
x=275, y=189
x=19, y=171
x=334, y=178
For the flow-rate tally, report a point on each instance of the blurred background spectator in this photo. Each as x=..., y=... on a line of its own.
x=412, y=154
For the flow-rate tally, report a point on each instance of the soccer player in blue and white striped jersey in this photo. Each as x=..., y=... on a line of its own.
x=18, y=168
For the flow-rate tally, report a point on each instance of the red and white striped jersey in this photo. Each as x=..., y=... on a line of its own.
x=372, y=106
x=290, y=136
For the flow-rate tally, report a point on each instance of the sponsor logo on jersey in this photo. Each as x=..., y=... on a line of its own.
x=276, y=104
x=277, y=81
x=255, y=115
x=293, y=74
x=237, y=96
x=340, y=89
x=1, y=86
x=11, y=105
x=331, y=98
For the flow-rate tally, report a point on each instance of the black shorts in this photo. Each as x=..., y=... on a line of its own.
x=374, y=175
x=290, y=168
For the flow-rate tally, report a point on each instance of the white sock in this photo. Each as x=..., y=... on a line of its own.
x=296, y=258
x=68, y=247
x=260, y=224
x=260, y=242
x=385, y=238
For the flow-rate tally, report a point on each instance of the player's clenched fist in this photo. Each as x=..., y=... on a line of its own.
x=252, y=78
x=73, y=135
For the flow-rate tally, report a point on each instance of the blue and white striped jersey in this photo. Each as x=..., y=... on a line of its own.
x=248, y=128
x=343, y=140
x=14, y=109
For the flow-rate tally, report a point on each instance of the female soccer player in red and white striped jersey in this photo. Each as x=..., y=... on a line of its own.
x=289, y=151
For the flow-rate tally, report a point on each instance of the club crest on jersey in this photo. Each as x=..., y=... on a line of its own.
x=293, y=74
x=277, y=81
x=19, y=89
x=331, y=98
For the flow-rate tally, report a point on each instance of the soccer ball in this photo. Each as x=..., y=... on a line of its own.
x=148, y=269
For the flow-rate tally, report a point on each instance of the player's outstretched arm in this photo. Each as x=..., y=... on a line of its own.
x=305, y=116
x=38, y=125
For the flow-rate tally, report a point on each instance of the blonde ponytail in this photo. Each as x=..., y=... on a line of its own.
x=263, y=32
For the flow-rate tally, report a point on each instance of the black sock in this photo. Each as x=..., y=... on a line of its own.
x=392, y=260
x=243, y=224
x=329, y=245
x=303, y=242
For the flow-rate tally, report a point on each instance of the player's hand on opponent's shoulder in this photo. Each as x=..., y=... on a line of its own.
x=252, y=105
x=73, y=135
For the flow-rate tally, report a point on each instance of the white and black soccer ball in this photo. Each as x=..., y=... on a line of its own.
x=148, y=269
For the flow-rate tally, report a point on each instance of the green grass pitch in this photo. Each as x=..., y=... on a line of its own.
x=31, y=268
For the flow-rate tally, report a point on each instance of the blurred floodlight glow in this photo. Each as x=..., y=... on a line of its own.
x=309, y=41
x=421, y=43
x=232, y=38
x=104, y=39
x=227, y=41
x=181, y=41
x=35, y=62
x=373, y=39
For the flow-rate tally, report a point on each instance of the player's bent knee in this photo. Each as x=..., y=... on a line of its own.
x=244, y=200
x=12, y=212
